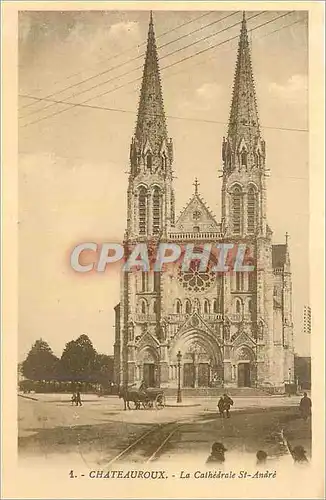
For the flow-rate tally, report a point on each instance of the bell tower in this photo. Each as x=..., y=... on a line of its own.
x=248, y=296
x=151, y=209
x=243, y=154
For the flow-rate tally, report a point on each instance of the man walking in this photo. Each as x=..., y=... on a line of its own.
x=228, y=402
x=220, y=406
x=78, y=398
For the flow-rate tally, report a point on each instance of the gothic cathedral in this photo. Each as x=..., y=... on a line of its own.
x=233, y=330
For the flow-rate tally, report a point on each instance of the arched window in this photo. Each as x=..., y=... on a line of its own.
x=157, y=281
x=215, y=306
x=244, y=157
x=156, y=210
x=143, y=308
x=149, y=160
x=251, y=210
x=142, y=209
x=144, y=277
x=238, y=306
x=188, y=307
x=236, y=210
x=130, y=332
x=178, y=307
x=206, y=307
x=258, y=158
x=239, y=278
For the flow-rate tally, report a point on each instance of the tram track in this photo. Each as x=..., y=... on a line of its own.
x=149, y=446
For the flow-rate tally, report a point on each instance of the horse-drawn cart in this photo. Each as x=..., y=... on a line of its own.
x=155, y=398
x=150, y=398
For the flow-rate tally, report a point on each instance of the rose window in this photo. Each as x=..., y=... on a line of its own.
x=196, y=215
x=195, y=280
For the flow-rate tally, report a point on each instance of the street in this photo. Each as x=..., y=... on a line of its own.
x=98, y=433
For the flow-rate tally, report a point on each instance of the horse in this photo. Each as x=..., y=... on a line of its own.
x=127, y=394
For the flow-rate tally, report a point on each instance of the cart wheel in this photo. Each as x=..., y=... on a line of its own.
x=147, y=404
x=160, y=401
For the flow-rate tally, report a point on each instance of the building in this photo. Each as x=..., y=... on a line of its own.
x=232, y=330
x=302, y=371
x=307, y=320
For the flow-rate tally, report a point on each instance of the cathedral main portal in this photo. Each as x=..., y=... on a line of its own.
x=197, y=367
x=201, y=364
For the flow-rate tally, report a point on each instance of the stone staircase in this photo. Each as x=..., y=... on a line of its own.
x=202, y=392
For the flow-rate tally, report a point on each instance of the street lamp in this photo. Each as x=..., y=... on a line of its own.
x=179, y=356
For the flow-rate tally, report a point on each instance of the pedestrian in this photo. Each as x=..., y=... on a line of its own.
x=73, y=399
x=78, y=398
x=261, y=456
x=305, y=406
x=299, y=454
x=228, y=402
x=217, y=454
x=220, y=406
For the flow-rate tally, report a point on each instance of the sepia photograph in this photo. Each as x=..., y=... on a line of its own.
x=165, y=316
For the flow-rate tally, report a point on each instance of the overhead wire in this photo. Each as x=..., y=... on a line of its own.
x=127, y=62
x=165, y=67
x=138, y=78
x=105, y=108
x=138, y=46
x=209, y=58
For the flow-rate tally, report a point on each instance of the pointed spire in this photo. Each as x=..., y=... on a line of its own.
x=243, y=131
x=151, y=124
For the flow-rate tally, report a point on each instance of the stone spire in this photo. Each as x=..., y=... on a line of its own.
x=151, y=132
x=244, y=146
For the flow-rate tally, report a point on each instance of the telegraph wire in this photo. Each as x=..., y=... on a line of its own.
x=162, y=69
x=282, y=27
x=117, y=110
x=120, y=65
x=255, y=38
x=190, y=56
x=131, y=71
x=139, y=45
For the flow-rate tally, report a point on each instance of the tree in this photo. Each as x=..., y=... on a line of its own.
x=78, y=360
x=103, y=373
x=40, y=363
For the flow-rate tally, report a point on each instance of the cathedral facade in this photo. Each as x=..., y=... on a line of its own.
x=234, y=329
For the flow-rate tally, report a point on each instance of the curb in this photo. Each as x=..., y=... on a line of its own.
x=27, y=397
x=182, y=405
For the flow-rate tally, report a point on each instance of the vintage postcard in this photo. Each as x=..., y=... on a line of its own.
x=163, y=272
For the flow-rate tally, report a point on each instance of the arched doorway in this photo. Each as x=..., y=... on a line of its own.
x=149, y=367
x=245, y=367
x=197, y=366
x=201, y=358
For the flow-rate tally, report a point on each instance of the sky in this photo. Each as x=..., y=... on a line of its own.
x=73, y=165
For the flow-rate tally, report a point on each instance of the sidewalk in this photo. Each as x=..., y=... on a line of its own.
x=172, y=403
